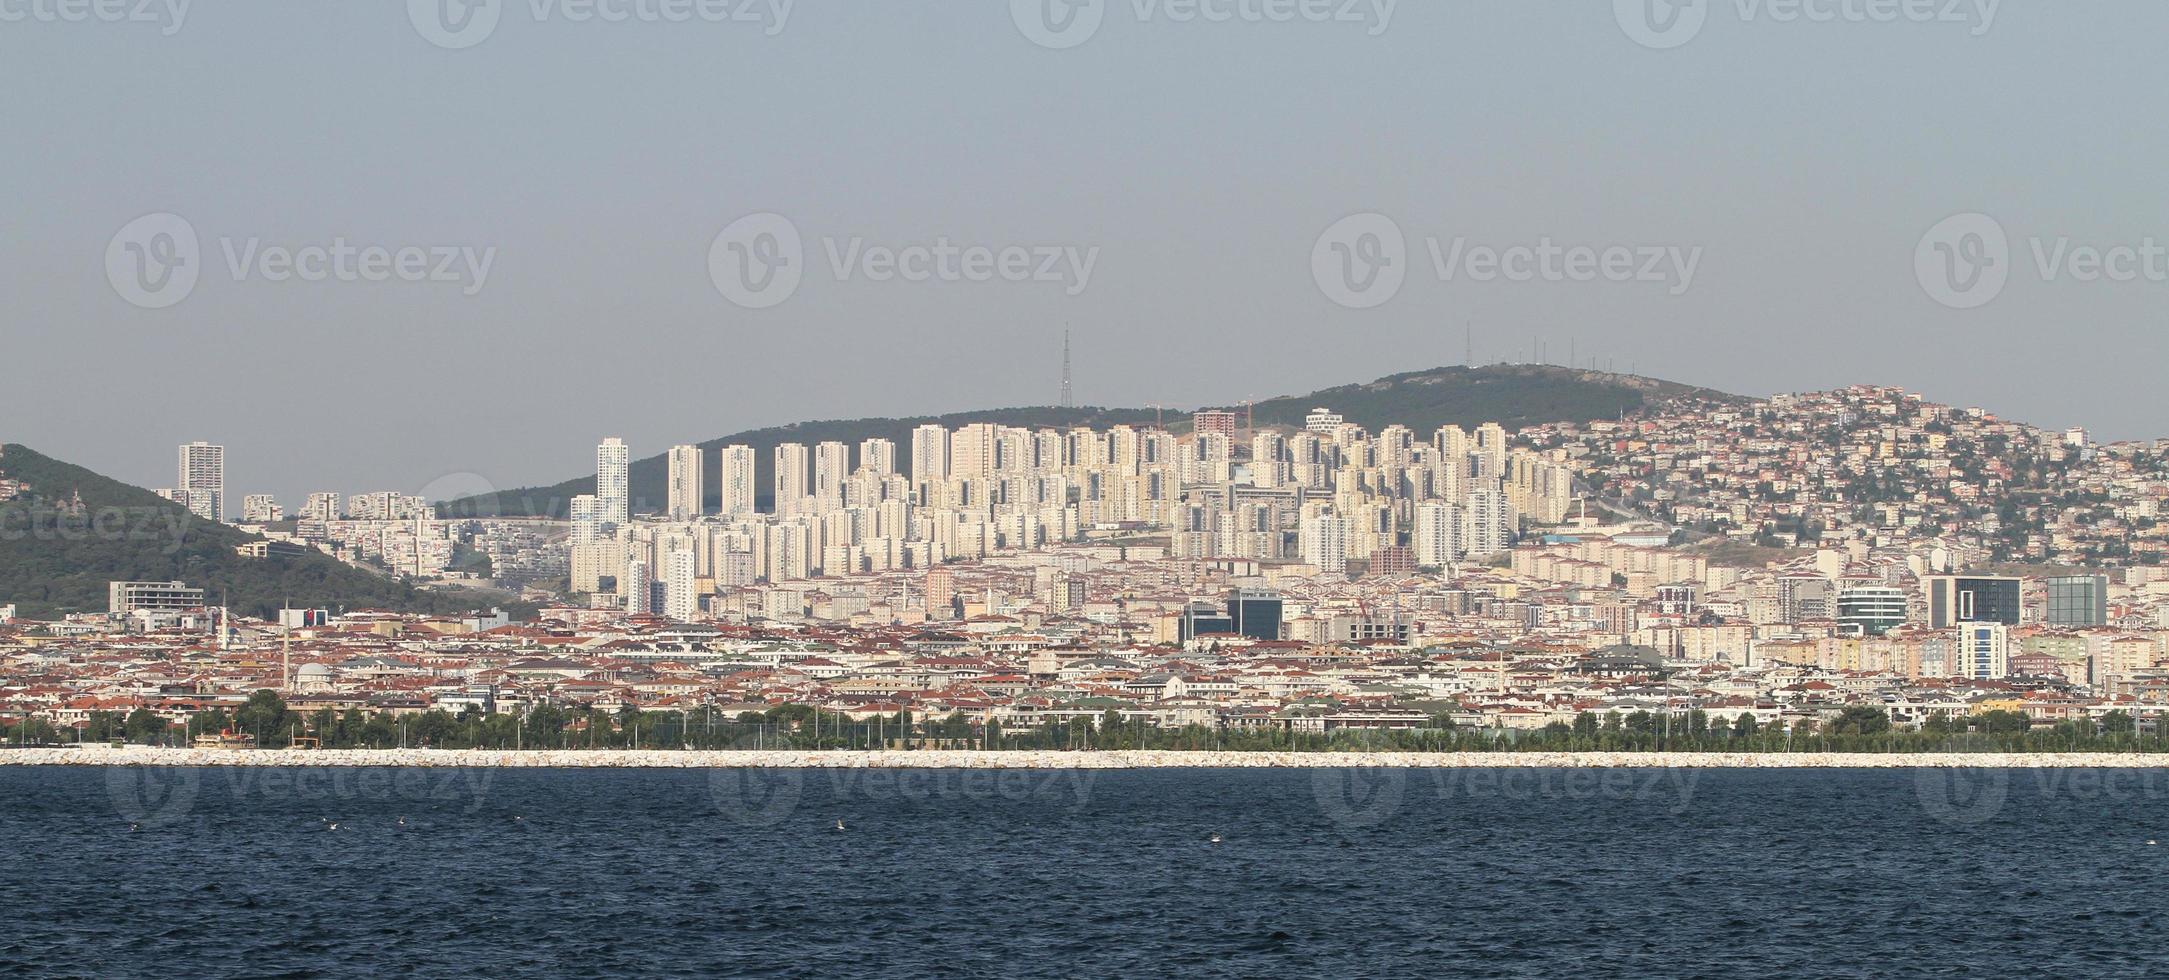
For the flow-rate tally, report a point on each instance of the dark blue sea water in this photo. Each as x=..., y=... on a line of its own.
x=1533, y=873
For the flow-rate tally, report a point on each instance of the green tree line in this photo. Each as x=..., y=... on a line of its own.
x=267, y=719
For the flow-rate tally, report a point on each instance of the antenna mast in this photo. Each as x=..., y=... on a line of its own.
x=1067, y=400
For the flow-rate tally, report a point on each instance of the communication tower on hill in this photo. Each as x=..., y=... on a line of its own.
x=1067, y=400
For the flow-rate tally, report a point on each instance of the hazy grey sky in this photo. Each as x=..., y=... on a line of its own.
x=1193, y=163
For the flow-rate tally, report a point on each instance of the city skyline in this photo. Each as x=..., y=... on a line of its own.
x=458, y=482
x=1957, y=485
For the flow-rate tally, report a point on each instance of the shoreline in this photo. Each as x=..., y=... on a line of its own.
x=1035, y=759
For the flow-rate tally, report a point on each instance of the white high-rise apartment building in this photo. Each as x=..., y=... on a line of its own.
x=878, y=455
x=790, y=551
x=1436, y=540
x=1206, y=458
x=385, y=505
x=831, y=464
x=197, y=502
x=738, y=488
x=680, y=601
x=1268, y=459
x=1394, y=447
x=1012, y=449
x=261, y=508
x=1538, y=488
x=203, y=467
x=1123, y=450
x=1487, y=523
x=734, y=569
x=929, y=455
x=972, y=450
x=633, y=586
x=1087, y=447
x=1454, y=447
x=793, y=464
x=590, y=551
x=322, y=507
x=685, y=483
x=1491, y=450
x=1984, y=651
x=613, y=482
x=1324, y=543
x=587, y=519
x=1050, y=451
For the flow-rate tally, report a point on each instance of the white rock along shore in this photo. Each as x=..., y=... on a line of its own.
x=97, y=755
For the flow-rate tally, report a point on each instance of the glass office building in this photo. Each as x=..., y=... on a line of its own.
x=1871, y=610
x=1256, y=613
x=2078, y=600
x=1955, y=599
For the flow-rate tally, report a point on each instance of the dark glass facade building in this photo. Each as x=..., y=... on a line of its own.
x=1255, y=612
x=1954, y=599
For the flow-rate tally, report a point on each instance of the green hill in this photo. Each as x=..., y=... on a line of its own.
x=56, y=558
x=1512, y=395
